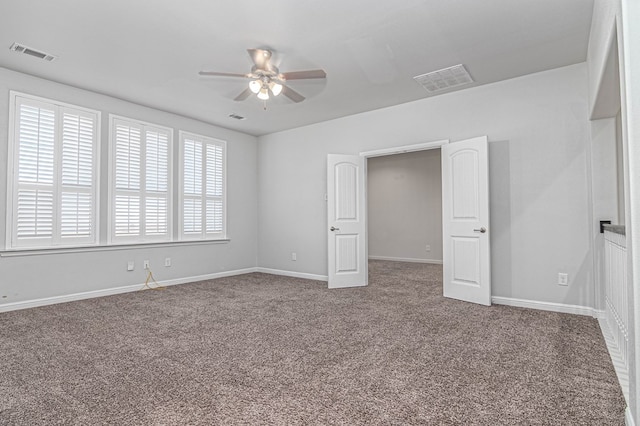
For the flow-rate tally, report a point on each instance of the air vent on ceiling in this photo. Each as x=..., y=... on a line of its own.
x=445, y=78
x=21, y=48
x=236, y=116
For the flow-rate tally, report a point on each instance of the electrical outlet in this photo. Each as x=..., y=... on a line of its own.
x=145, y=264
x=428, y=247
x=167, y=262
x=130, y=265
x=294, y=256
x=563, y=279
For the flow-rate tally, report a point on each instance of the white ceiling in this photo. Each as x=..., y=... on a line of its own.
x=150, y=51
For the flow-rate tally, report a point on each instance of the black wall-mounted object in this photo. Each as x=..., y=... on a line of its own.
x=602, y=224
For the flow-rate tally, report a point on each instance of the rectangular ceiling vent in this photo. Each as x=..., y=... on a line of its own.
x=236, y=116
x=445, y=78
x=21, y=48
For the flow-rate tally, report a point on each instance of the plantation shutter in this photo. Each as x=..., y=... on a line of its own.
x=215, y=170
x=203, y=186
x=157, y=181
x=128, y=157
x=53, y=191
x=192, y=192
x=36, y=130
x=77, y=176
x=141, y=203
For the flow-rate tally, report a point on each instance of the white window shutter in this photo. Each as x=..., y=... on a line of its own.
x=127, y=148
x=53, y=187
x=127, y=215
x=127, y=156
x=77, y=197
x=34, y=218
x=192, y=167
x=215, y=180
x=202, y=197
x=157, y=183
x=141, y=204
x=34, y=210
x=76, y=215
x=36, y=143
x=192, y=216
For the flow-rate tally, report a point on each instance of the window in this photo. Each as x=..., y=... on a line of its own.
x=140, y=164
x=53, y=190
x=202, y=187
x=52, y=174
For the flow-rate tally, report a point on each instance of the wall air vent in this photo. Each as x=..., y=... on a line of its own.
x=21, y=48
x=445, y=78
x=236, y=116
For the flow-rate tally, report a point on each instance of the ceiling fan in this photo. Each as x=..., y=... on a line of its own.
x=266, y=79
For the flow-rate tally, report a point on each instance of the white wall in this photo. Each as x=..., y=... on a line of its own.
x=620, y=169
x=630, y=34
x=619, y=19
x=603, y=29
x=604, y=187
x=404, y=197
x=26, y=278
x=539, y=139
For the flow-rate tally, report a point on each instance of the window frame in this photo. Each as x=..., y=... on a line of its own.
x=56, y=241
x=112, y=240
x=203, y=236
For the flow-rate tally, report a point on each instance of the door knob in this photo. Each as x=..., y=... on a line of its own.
x=481, y=230
x=333, y=228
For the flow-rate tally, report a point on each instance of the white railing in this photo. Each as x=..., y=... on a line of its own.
x=616, y=297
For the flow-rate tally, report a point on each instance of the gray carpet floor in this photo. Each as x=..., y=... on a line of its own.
x=263, y=349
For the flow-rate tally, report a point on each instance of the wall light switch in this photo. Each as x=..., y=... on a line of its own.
x=428, y=247
x=130, y=265
x=167, y=262
x=294, y=256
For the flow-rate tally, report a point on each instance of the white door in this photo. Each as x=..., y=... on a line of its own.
x=345, y=221
x=465, y=221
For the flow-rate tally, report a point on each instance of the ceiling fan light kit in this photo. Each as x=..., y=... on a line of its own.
x=275, y=88
x=255, y=86
x=266, y=79
x=263, y=94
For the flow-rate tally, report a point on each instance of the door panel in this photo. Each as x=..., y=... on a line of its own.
x=347, y=254
x=465, y=221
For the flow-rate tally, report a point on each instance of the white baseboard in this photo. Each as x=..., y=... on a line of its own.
x=546, y=306
x=628, y=417
x=406, y=259
x=292, y=274
x=116, y=290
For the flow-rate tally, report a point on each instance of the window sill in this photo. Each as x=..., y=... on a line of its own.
x=133, y=246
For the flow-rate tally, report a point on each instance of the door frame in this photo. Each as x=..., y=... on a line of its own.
x=381, y=153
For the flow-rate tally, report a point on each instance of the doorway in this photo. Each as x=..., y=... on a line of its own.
x=404, y=205
x=465, y=218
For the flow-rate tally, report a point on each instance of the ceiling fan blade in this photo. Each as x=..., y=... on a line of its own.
x=244, y=95
x=301, y=75
x=223, y=74
x=292, y=94
x=261, y=58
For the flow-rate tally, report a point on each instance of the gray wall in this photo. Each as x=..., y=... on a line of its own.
x=538, y=131
x=40, y=276
x=538, y=153
x=404, y=199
